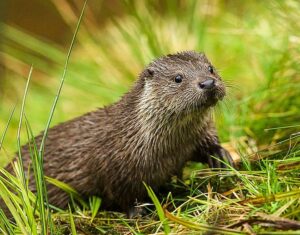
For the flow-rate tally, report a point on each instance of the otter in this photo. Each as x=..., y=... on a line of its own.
x=147, y=136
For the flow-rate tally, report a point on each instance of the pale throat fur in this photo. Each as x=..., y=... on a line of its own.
x=162, y=132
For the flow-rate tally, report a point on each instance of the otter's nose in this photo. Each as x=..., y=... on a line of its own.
x=207, y=84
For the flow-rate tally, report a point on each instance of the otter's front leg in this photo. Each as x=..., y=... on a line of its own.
x=220, y=154
x=136, y=211
x=211, y=152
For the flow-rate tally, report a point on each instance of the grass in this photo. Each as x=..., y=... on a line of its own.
x=255, y=45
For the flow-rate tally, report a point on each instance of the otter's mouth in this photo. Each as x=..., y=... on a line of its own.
x=211, y=97
x=207, y=98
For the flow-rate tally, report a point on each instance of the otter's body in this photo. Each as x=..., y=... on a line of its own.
x=148, y=136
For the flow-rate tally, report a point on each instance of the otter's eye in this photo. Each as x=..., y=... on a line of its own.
x=211, y=69
x=178, y=78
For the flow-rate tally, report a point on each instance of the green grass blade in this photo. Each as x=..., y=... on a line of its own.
x=201, y=227
x=5, y=226
x=72, y=223
x=21, y=121
x=12, y=205
x=6, y=127
x=159, y=210
x=61, y=81
x=95, y=203
x=42, y=186
x=67, y=188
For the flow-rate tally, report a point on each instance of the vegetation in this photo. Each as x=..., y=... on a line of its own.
x=256, y=46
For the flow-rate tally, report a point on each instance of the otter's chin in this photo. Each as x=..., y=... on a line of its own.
x=213, y=96
x=209, y=99
x=205, y=104
x=212, y=101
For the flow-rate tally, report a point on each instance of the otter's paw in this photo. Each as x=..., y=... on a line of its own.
x=136, y=212
x=224, y=156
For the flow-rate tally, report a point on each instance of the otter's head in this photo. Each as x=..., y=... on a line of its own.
x=185, y=81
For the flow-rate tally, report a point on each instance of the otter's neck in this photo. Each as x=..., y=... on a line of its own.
x=160, y=130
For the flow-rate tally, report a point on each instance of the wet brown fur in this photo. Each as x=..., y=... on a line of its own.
x=147, y=136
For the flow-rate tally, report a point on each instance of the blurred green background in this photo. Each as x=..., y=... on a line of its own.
x=253, y=44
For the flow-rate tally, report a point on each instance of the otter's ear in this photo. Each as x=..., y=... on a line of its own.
x=148, y=73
